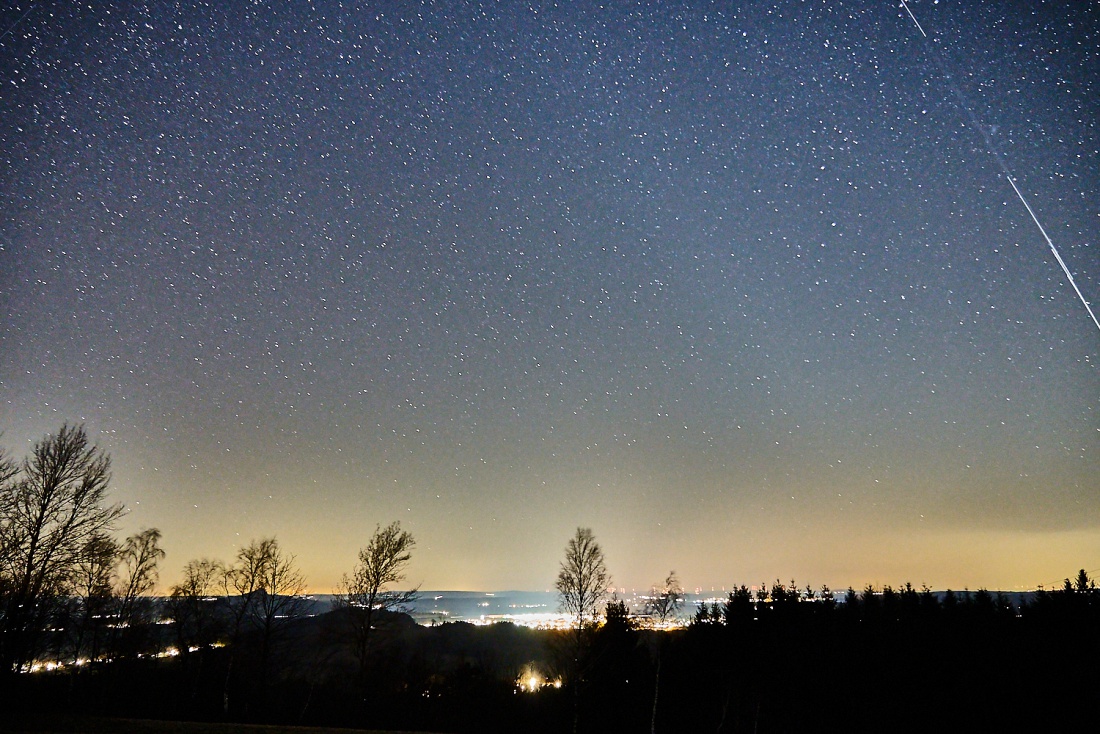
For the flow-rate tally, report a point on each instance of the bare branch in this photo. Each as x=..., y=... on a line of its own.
x=53, y=510
x=583, y=579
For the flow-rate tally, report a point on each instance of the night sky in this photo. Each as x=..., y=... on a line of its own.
x=737, y=285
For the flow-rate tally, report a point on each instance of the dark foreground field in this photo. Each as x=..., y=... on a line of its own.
x=898, y=661
x=45, y=724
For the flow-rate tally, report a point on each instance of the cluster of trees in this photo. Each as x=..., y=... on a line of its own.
x=582, y=585
x=784, y=658
x=60, y=566
x=71, y=592
x=765, y=659
x=787, y=602
x=249, y=647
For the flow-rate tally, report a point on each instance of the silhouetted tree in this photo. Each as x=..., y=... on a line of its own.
x=890, y=603
x=582, y=586
x=51, y=509
x=617, y=617
x=761, y=602
x=583, y=579
x=367, y=592
x=196, y=622
x=929, y=603
x=827, y=598
x=664, y=604
x=138, y=556
x=241, y=583
x=267, y=586
x=869, y=604
x=739, y=608
x=9, y=496
x=93, y=596
x=1005, y=608
x=910, y=602
x=192, y=606
x=983, y=606
x=1082, y=583
x=279, y=601
x=950, y=603
x=783, y=600
x=665, y=601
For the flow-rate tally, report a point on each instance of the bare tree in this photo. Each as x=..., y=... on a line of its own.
x=583, y=579
x=582, y=586
x=241, y=583
x=93, y=594
x=263, y=590
x=51, y=510
x=192, y=605
x=281, y=587
x=367, y=591
x=664, y=604
x=666, y=600
x=138, y=556
x=263, y=586
x=9, y=495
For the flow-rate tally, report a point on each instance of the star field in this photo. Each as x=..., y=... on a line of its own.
x=738, y=286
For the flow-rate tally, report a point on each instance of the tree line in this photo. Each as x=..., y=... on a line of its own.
x=238, y=641
x=769, y=657
x=71, y=593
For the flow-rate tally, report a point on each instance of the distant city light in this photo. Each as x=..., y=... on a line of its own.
x=531, y=680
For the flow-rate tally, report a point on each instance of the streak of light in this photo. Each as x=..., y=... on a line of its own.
x=965, y=104
x=13, y=25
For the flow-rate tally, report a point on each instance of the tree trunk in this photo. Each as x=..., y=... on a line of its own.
x=656, y=690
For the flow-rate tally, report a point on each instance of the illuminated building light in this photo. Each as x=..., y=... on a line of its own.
x=531, y=680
